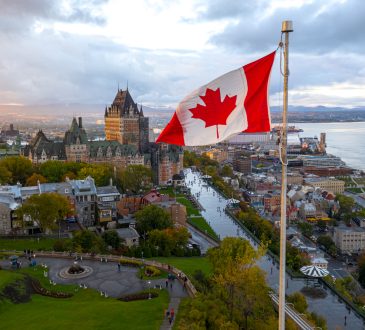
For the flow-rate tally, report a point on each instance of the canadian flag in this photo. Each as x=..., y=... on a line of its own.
x=233, y=103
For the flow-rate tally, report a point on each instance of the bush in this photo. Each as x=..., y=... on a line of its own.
x=152, y=271
x=62, y=245
x=130, y=262
x=138, y=296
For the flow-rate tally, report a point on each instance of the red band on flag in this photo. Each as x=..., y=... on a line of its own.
x=172, y=133
x=256, y=101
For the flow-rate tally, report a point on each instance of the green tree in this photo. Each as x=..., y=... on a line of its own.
x=299, y=301
x=87, y=241
x=100, y=173
x=53, y=170
x=19, y=167
x=346, y=206
x=5, y=175
x=152, y=217
x=227, y=171
x=111, y=238
x=361, y=270
x=241, y=283
x=56, y=171
x=34, y=178
x=326, y=241
x=45, y=209
x=135, y=179
x=306, y=228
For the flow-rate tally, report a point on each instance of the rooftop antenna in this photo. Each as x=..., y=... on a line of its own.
x=127, y=84
x=118, y=86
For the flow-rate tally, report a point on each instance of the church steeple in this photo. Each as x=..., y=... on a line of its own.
x=141, y=111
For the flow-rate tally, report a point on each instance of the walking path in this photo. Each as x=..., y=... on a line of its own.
x=174, y=303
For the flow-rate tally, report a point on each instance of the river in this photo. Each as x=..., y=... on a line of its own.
x=344, y=139
x=330, y=307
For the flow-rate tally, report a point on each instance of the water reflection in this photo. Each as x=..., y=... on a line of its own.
x=329, y=306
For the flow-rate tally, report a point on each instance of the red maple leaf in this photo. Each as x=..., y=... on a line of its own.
x=215, y=111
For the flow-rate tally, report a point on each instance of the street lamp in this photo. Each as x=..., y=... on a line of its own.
x=149, y=289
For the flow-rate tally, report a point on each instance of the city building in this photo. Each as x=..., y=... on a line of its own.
x=129, y=236
x=243, y=165
x=349, y=239
x=107, y=198
x=125, y=123
x=218, y=154
x=327, y=184
x=321, y=161
x=126, y=143
x=76, y=147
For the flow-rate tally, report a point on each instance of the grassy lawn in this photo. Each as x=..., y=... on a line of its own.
x=85, y=309
x=188, y=264
x=354, y=190
x=190, y=208
x=202, y=224
x=170, y=191
x=44, y=244
x=8, y=277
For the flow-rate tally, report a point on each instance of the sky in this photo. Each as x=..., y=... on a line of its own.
x=79, y=51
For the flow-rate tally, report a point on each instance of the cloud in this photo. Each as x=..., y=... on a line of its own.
x=318, y=29
x=18, y=16
x=81, y=62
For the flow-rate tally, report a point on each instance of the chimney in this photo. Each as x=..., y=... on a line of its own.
x=80, y=122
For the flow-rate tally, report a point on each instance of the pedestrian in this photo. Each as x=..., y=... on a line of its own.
x=118, y=267
x=172, y=313
x=170, y=319
x=345, y=319
x=167, y=313
x=171, y=285
x=167, y=283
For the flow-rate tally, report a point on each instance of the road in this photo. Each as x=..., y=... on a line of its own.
x=198, y=238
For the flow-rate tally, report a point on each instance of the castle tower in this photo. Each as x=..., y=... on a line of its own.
x=125, y=123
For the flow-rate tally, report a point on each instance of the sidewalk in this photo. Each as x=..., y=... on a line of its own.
x=174, y=303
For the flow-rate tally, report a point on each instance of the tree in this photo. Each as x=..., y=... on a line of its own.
x=346, y=205
x=34, y=178
x=19, y=167
x=322, y=225
x=152, y=217
x=227, y=171
x=241, y=283
x=45, y=209
x=5, y=175
x=306, y=228
x=299, y=301
x=100, y=173
x=56, y=171
x=87, y=241
x=112, y=238
x=361, y=269
x=327, y=242
x=53, y=170
x=135, y=179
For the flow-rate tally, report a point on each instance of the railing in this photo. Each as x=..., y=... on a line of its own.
x=293, y=314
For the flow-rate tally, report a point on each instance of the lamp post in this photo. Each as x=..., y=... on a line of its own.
x=149, y=289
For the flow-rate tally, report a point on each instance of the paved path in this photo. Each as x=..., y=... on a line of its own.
x=174, y=303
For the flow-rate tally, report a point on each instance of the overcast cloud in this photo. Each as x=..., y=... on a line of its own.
x=77, y=51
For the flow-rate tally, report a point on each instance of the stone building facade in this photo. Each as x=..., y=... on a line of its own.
x=126, y=131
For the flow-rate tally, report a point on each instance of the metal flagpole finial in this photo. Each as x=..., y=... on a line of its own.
x=287, y=26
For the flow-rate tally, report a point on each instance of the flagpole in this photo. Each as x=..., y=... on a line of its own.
x=286, y=28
